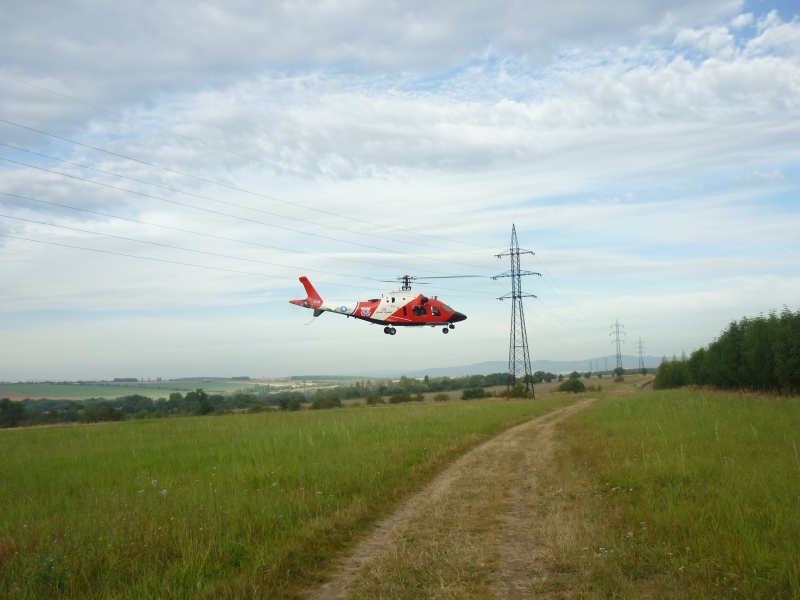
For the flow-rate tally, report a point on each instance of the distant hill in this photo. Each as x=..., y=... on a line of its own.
x=500, y=366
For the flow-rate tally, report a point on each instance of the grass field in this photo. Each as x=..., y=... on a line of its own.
x=679, y=494
x=216, y=507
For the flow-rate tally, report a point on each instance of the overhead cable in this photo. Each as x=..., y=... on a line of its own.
x=226, y=185
x=208, y=210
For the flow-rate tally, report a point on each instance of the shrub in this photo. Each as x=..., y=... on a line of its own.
x=374, y=399
x=420, y=397
x=572, y=385
x=441, y=397
x=325, y=403
x=289, y=403
x=518, y=391
x=619, y=379
x=255, y=408
x=473, y=393
x=399, y=398
x=574, y=375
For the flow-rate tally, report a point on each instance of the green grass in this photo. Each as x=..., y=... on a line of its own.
x=694, y=495
x=255, y=505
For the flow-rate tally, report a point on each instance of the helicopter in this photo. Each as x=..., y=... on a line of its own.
x=400, y=308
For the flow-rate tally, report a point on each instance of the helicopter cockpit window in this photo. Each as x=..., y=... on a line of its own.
x=392, y=300
x=419, y=311
x=435, y=311
x=447, y=309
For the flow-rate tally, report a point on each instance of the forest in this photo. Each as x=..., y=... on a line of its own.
x=755, y=353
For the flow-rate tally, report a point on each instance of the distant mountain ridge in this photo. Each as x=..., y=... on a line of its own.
x=500, y=366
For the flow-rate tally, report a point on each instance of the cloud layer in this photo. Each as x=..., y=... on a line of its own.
x=647, y=152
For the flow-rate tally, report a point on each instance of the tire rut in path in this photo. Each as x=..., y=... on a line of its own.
x=517, y=549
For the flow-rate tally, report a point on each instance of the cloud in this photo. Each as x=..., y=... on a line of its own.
x=422, y=137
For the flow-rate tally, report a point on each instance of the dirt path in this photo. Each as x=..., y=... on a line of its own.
x=465, y=535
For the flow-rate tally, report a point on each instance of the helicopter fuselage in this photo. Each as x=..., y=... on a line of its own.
x=400, y=308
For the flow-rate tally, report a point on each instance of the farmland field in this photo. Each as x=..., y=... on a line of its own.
x=220, y=507
x=153, y=389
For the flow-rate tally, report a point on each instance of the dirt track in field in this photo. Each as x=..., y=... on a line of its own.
x=466, y=534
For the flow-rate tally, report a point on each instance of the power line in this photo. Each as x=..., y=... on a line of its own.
x=259, y=210
x=209, y=235
x=565, y=295
x=232, y=187
x=201, y=251
x=277, y=166
x=174, y=262
x=566, y=329
x=208, y=210
x=127, y=239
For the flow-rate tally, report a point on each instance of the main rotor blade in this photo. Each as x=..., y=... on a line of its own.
x=447, y=277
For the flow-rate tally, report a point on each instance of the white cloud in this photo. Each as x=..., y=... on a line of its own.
x=741, y=21
x=436, y=129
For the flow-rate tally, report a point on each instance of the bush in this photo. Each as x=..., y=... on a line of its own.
x=420, y=397
x=11, y=413
x=374, y=399
x=399, y=399
x=619, y=379
x=473, y=393
x=289, y=403
x=255, y=408
x=441, y=397
x=574, y=375
x=325, y=403
x=572, y=385
x=518, y=391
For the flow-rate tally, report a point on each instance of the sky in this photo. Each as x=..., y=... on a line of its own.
x=169, y=169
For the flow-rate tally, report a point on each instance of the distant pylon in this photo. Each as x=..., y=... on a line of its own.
x=640, y=347
x=605, y=360
x=617, y=341
x=519, y=358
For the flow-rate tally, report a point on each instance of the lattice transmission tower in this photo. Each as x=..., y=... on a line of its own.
x=640, y=348
x=519, y=358
x=617, y=341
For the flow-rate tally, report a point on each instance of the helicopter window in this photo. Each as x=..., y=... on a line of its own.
x=419, y=311
x=392, y=300
x=435, y=311
x=447, y=309
x=405, y=312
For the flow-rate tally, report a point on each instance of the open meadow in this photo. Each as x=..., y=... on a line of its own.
x=675, y=494
x=217, y=507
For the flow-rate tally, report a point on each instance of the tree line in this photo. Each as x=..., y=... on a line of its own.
x=756, y=353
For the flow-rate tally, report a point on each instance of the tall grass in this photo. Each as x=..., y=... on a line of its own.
x=694, y=495
x=240, y=505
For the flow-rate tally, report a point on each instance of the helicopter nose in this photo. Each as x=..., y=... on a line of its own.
x=457, y=317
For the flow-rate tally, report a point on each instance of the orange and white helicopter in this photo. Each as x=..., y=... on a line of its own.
x=400, y=308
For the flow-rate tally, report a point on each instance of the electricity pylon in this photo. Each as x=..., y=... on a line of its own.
x=616, y=331
x=519, y=358
x=640, y=347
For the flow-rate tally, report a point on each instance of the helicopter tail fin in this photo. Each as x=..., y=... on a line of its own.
x=310, y=291
x=312, y=300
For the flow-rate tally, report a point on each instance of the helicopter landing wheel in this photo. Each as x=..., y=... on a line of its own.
x=445, y=330
x=387, y=330
x=392, y=331
x=451, y=326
